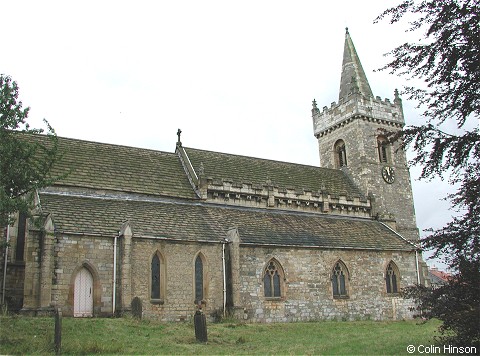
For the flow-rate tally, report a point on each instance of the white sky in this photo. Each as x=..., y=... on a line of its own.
x=235, y=76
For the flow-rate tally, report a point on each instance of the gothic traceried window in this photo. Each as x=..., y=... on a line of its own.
x=391, y=278
x=339, y=280
x=340, y=154
x=272, y=280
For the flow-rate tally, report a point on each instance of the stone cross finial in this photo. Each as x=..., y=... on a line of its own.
x=314, y=104
x=179, y=132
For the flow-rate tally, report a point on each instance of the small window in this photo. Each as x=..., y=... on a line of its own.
x=391, y=278
x=272, y=280
x=339, y=280
x=157, y=283
x=340, y=154
x=199, y=291
x=382, y=145
x=155, y=277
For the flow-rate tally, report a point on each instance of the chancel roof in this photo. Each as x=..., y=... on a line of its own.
x=194, y=221
x=256, y=171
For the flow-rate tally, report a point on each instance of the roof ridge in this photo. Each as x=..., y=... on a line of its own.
x=104, y=143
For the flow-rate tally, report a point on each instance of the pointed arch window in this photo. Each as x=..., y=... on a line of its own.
x=392, y=278
x=383, y=149
x=340, y=280
x=199, y=279
x=340, y=154
x=157, y=278
x=273, y=279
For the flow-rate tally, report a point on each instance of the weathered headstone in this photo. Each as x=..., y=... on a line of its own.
x=137, y=308
x=200, y=322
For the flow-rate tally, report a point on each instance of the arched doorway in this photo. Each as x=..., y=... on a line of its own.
x=83, y=294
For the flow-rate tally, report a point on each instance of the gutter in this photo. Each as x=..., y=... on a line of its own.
x=225, y=241
x=114, y=274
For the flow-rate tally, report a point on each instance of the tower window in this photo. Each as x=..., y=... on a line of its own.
x=382, y=145
x=340, y=154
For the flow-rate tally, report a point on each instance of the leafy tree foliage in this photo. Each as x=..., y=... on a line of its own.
x=25, y=165
x=447, y=60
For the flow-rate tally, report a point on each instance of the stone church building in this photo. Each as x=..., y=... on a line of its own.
x=262, y=240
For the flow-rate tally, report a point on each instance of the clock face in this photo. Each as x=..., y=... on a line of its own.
x=388, y=174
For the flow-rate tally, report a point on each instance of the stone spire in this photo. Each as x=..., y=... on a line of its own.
x=353, y=78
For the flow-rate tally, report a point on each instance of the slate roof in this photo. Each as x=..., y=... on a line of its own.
x=257, y=171
x=126, y=169
x=103, y=216
x=208, y=222
x=120, y=168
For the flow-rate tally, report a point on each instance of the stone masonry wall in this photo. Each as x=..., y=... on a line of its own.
x=308, y=288
x=72, y=252
x=179, y=261
x=364, y=168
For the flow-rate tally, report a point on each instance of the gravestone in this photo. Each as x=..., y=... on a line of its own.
x=137, y=308
x=200, y=322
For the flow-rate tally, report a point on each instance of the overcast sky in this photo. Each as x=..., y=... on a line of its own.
x=235, y=76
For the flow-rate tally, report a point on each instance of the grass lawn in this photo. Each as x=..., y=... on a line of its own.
x=24, y=335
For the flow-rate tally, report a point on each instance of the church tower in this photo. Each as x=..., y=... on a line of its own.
x=351, y=137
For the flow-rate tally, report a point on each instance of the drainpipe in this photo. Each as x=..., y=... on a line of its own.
x=224, y=278
x=114, y=273
x=5, y=266
x=416, y=264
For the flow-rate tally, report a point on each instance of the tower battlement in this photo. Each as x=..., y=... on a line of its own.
x=356, y=106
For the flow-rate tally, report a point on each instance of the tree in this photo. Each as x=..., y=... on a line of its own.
x=447, y=60
x=25, y=164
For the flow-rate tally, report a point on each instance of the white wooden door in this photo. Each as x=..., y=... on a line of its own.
x=83, y=294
